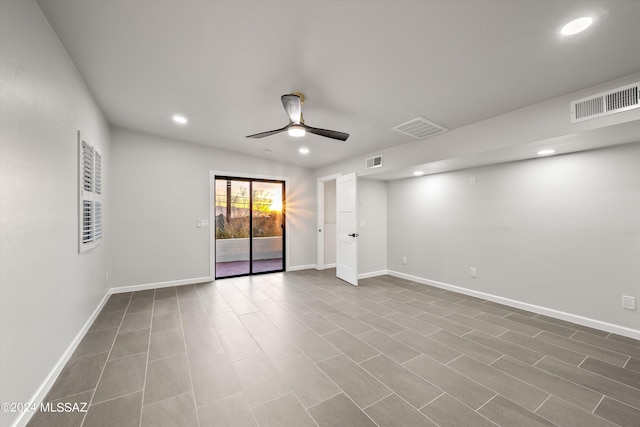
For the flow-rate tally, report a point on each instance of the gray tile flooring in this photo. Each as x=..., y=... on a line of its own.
x=306, y=349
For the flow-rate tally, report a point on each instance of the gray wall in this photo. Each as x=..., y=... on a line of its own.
x=48, y=290
x=559, y=232
x=162, y=188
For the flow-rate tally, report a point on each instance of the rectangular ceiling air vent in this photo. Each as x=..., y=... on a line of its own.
x=606, y=103
x=419, y=128
x=374, y=162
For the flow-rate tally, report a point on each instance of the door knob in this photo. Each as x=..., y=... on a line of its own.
x=354, y=234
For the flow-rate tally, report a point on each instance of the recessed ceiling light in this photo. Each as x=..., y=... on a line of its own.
x=181, y=120
x=418, y=173
x=576, y=26
x=304, y=150
x=296, y=131
x=546, y=152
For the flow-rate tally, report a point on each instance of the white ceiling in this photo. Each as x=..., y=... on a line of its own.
x=364, y=66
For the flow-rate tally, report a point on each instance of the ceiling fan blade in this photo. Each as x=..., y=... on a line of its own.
x=293, y=106
x=267, y=133
x=333, y=134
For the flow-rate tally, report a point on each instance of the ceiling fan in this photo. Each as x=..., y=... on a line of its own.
x=293, y=106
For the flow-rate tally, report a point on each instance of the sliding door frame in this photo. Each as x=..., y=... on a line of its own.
x=212, y=212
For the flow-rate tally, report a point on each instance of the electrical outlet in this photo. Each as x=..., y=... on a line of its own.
x=404, y=260
x=472, y=180
x=628, y=303
x=473, y=272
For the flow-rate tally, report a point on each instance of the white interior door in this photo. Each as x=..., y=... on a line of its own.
x=346, y=219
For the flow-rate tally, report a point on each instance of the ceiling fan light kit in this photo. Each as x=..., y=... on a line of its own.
x=292, y=104
x=296, y=131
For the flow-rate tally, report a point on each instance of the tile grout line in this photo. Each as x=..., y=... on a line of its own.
x=107, y=361
x=583, y=343
x=432, y=400
x=118, y=397
x=184, y=342
x=391, y=392
x=453, y=360
x=397, y=394
x=146, y=365
x=485, y=403
x=598, y=404
x=477, y=411
x=610, y=379
x=504, y=373
x=543, y=402
x=291, y=392
x=589, y=388
x=341, y=392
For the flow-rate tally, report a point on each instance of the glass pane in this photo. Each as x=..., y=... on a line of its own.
x=268, y=225
x=232, y=228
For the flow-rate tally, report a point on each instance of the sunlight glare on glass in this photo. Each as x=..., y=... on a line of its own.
x=276, y=205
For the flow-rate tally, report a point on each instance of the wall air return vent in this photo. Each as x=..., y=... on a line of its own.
x=606, y=103
x=374, y=162
x=419, y=128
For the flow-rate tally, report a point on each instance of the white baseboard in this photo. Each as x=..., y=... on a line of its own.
x=325, y=266
x=144, y=287
x=301, y=267
x=373, y=274
x=44, y=388
x=569, y=317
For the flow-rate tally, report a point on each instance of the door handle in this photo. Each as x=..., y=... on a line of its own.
x=354, y=234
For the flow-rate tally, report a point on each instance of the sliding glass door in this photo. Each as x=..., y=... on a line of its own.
x=249, y=226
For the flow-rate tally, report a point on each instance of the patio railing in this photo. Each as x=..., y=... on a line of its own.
x=228, y=250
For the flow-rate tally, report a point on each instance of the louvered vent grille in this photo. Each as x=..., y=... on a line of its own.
x=622, y=99
x=606, y=103
x=590, y=107
x=374, y=162
x=419, y=128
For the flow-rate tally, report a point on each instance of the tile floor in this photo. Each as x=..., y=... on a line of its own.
x=303, y=348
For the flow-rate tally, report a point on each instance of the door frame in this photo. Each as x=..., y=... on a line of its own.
x=320, y=219
x=212, y=213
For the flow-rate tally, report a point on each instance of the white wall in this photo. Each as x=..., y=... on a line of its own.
x=48, y=290
x=372, y=242
x=559, y=232
x=330, y=230
x=162, y=187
